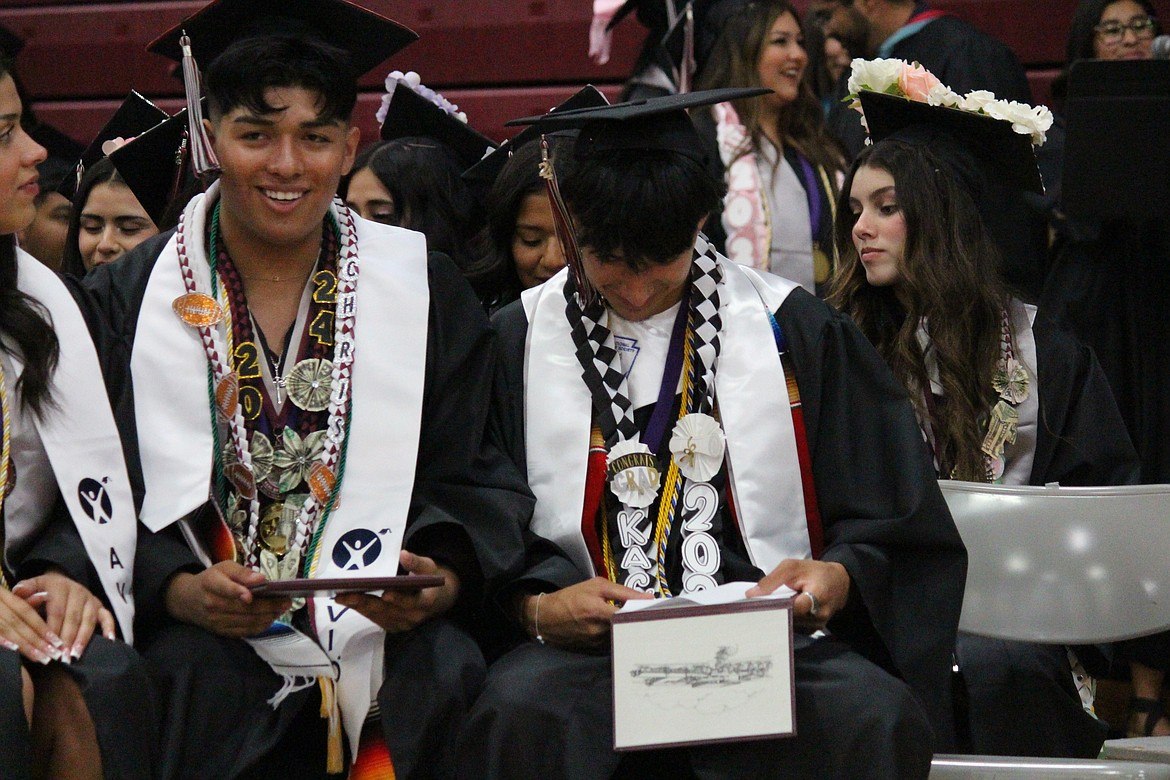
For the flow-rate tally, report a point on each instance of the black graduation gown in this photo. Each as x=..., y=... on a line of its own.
x=466, y=510
x=110, y=675
x=882, y=515
x=1023, y=701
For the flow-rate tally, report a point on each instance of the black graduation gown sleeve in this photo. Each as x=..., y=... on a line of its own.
x=1081, y=438
x=469, y=500
x=546, y=566
x=883, y=515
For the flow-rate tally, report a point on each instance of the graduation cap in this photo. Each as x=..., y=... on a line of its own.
x=63, y=151
x=152, y=164
x=367, y=37
x=484, y=172
x=995, y=146
x=11, y=44
x=410, y=115
x=135, y=116
x=651, y=124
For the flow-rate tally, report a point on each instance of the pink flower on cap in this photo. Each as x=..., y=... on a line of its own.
x=916, y=82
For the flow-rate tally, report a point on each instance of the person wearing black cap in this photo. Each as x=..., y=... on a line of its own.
x=326, y=383
x=1002, y=392
x=413, y=179
x=519, y=214
x=809, y=419
x=107, y=218
x=74, y=700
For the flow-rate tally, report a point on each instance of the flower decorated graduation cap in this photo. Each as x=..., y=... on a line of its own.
x=368, y=39
x=412, y=111
x=905, y=101
x=135, y=116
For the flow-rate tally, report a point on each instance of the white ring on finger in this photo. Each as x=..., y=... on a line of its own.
x=813, y=606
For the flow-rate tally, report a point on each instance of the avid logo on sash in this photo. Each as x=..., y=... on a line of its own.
x=95, y=500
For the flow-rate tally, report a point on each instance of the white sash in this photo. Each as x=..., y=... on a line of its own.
x=1019, y=457
x=749, y=386
x=174, y=430
x=83, y=445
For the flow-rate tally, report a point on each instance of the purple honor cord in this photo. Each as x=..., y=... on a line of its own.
x=656, y=430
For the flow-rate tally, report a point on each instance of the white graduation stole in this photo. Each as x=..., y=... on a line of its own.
x=82, y=443
x=749, y=385
x=175, y=438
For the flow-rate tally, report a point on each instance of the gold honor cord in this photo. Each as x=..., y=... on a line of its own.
x=5, y=455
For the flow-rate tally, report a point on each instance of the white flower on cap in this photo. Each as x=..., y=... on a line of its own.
x=874, y=75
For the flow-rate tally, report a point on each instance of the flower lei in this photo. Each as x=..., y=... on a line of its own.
x=200, y=308
x=1010, y=381
x=914, y=82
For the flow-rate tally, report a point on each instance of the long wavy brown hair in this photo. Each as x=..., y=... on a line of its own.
x=734, y=62
x=948, y=278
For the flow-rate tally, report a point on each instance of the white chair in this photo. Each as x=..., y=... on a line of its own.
x=1062, y=566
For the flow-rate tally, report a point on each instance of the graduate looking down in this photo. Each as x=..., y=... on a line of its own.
x=783, y=454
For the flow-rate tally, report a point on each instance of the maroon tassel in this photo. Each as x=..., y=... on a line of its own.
x=563, y=225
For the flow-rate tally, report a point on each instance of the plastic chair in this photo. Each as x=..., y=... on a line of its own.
x=1063, y=566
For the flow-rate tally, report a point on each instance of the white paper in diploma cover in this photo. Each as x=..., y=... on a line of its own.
x=707, y=667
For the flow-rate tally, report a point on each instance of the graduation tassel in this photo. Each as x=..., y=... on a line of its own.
x=563, y=227
x=331, y=709
x=202, y=155
x=688, y=66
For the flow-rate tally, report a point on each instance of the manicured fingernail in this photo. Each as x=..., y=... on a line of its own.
x=77, y=650
x=40, y=657
x=111, y=636
x=56, y=640
x=42, y=593
x=9, y=645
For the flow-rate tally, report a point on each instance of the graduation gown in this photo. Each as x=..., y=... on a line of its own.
x=42, y=534
x=882, y=516
x=464, y=510
x=1022, y=697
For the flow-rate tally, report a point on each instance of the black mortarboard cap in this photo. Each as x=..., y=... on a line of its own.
x=135, y=116
x=11, y=44
x=1000, y=151
x=484, y=172
x=368, y=37
x=63, y=153
x=1114, y=166
x=56, y=143
x=410, y=115
x=152, y=164
x=652, y=124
